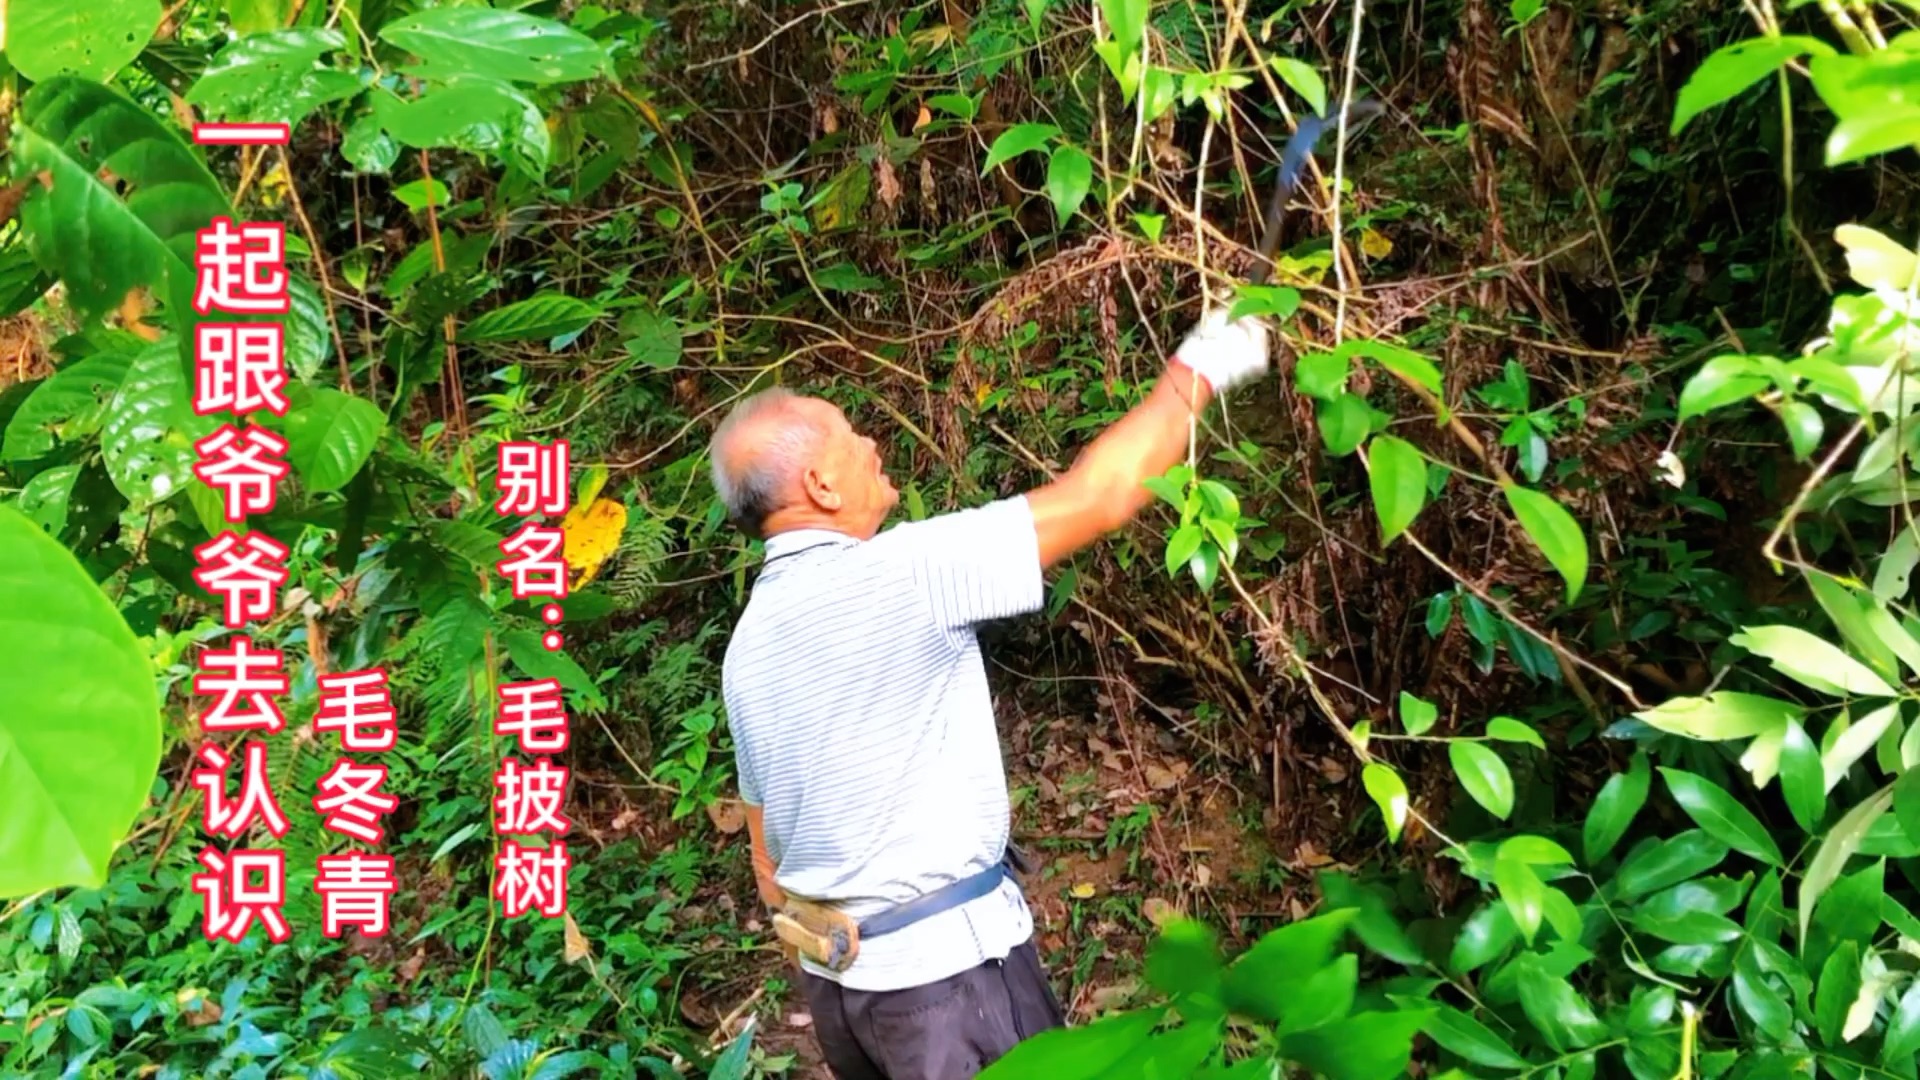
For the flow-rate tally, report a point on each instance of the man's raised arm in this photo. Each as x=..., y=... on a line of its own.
x=1103, y=490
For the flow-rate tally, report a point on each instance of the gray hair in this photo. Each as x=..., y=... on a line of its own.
x=753, y=474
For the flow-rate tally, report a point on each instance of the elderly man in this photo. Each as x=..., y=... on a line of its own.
x=862, y=724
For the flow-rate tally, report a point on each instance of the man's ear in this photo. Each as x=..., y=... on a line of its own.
x=820, y=490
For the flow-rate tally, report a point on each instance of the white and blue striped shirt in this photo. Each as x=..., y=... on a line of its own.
x=863, y=728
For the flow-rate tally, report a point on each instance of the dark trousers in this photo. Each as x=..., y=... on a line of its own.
x=949, y=1030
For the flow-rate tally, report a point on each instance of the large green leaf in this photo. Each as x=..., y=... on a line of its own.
x=1367, y=1046
x=1389, y=792
x=1398, y=480
x=472, y=113
x=1656, y=864
x=1834, y=994
x=506, y=45
x=1069, y=177
x=1802, y=778
x=1724, y=819
x=544, y=316
x=1079, y=1053
x=1471, y=1039
x=1263, y=981
x=1554, y=532
x=80, y=733
x=1613, y=810
x=1017, y=140
x=1484, y=775
x=1185, y=959
x=329, y=435
x=89, y=38
x=273, y=78
x=1718, y=716
x=1556, y=1008
x=1523, y=893
x=1735, y=67
x=1840, y=844
x=147, y=439
x=1811, y=660
x=69, y=132
x=66, y=406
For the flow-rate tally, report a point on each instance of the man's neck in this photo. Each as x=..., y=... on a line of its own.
x=796, y=520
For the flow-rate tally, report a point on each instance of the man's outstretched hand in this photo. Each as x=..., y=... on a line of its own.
x=1224, y=353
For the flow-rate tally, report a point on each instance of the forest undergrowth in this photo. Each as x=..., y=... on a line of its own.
x=1587, y=461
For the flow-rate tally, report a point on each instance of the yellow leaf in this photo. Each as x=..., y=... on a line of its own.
x=574, y=943
x=1082, y=891
x=1375, y=246
x=982, y=392
x=593, y=533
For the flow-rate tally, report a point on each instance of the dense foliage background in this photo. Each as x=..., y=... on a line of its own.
x=1519, y=683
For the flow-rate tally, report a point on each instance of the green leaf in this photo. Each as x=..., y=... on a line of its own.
x=1720, y=716
x=1613, y=810
x=1720, y=382
x=1417, y=715
x=1406, y=363
x=1069, y=178
x=1733, y=68
x=1507, y=729
x=1848, y=612
x=1483, y=937
x=1850, y=911
x=1484, y=776
x=1274, y=302
x=651, y=338
x=1522, y=891
x=845, y=277
x=1853, y=743
x=1017, y=140
x=1534, y=851
x=1554, y=532
x=1811, y=660
x=535, y=661
x=1840, y=844
x=535, y=318
x=1321, y=375
x=1471, y=1040
x=1557, y=1009
x=1345, y=422
x=1182, y=545
x=1184, y=959
x=329, y=435
x=308, y=337
x=70, y=130
x=44, y=499
x=1399, y=483
x=1325, y=996
x=471, y=113
x=273, y=78
x=1833, y=995
x=150, y=428
x=1367, y=1046
x=66, y=406
x=91, y=38
x=1902, y=1039
x=80, y=736
x=507, y=45
x=1389, y=793
x=1657, y=864
x=1263, y=982
x=1906, y=798
x=1802, y=780
x=1857, y=137
x=1804, y=428
x=733, y=1064
x=1303, y=80
x=1725, y=820
x=1756, y=996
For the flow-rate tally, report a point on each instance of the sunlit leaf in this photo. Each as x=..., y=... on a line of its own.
x=81, y=730
x=1732, y=68
x=1398, y=479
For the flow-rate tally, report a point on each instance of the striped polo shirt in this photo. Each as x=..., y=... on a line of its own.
x=863, y=728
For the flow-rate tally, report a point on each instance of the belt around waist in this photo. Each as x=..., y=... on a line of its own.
x=946, y=898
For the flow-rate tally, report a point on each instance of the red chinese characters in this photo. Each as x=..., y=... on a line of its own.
x=530, y=798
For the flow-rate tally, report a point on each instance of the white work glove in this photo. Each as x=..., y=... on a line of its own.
x=1226, y=354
